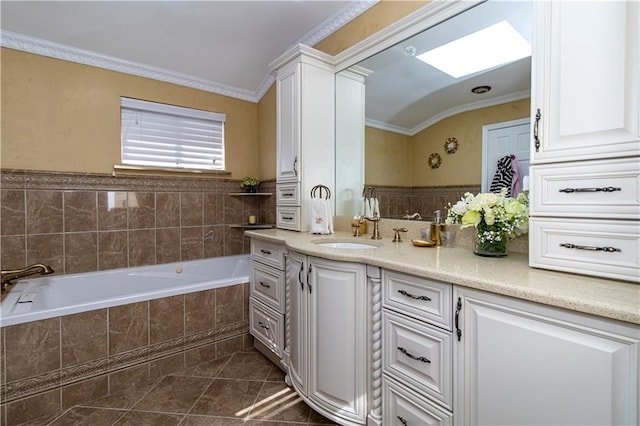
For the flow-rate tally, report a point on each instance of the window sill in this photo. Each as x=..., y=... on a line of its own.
x=151, y=170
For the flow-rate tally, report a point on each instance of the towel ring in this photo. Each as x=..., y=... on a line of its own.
x=318, y=190
x=368, y=192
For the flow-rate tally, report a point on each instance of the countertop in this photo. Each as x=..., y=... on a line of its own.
x=509, y=276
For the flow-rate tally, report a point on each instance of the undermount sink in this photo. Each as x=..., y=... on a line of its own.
x=345, y=245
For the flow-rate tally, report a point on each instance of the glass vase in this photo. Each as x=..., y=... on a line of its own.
x=490, y=244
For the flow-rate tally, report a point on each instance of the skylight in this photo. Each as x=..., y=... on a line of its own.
x=496, y=45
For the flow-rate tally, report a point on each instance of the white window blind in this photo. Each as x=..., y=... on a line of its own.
x=167, y=136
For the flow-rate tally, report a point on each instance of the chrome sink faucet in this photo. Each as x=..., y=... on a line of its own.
x=6, y=277
x=376, y=220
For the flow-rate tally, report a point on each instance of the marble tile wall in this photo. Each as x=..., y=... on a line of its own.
x=53, y=364
x=83, y=223
x=91, y=222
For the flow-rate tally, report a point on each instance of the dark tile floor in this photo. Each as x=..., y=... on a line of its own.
x=243, y=388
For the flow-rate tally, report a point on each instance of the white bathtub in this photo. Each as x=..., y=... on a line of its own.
x=48, y=297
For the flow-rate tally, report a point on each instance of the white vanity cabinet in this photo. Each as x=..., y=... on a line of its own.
x=267, y=297
x=585, y=80
x=328, y=336
x=416, y=350
x=518, y=362
x=305, y=147
x=585, y=163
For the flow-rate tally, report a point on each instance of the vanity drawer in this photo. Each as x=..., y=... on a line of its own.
x=288, y=194
x=267, y=285
x=608, y=189
x=419, y=355
x=401, y=406
x=267, y=326
x=424, y=299
x=605, y=248
x=288, y=218
x=268, y=253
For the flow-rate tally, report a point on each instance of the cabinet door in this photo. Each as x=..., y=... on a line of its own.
x=585, y=80
x=337, y=337
x=522, y=363
x=288, y=123
x=297, y=312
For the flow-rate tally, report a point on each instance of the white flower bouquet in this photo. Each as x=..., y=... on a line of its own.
x=496, y=217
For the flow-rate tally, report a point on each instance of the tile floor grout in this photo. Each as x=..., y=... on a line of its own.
x=160, y=399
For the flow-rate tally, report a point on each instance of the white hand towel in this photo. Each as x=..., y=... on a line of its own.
x=367, y=206
x=321, y=219
x=375, y=210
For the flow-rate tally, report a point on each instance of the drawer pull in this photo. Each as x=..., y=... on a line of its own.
x=264, y=285
x=417, y=358
x=267, y=252
x=402, y=420
x=591, y=248
x=263, y=325
x=287, y=217
x=603, y=189
x=404, y=293
x=287, y=194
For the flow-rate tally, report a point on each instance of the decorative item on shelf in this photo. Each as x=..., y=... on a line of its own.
x=250, y=184
x=252, y=220
x=435, y=160
x=451, y=145
x=496, y=218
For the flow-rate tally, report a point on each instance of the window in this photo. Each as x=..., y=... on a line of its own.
x=166, y=136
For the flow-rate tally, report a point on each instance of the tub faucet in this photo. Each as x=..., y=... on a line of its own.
x=415, y=216
x=6, y=277
x=376, y=220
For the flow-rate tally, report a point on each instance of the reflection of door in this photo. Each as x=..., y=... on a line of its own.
x=500, y=139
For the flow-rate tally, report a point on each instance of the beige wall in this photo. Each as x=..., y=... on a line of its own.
x=387, y=158
x=464, y=167
x=267, y=134
x=64, y=116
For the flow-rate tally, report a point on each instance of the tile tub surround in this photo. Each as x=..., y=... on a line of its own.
x=240, y=388
x=53, y=364
x=92, y=222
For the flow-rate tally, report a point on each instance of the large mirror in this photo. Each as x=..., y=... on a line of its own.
x=424, y=129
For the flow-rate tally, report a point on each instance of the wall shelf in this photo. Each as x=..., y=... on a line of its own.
x=243, y=194
x=250, y=226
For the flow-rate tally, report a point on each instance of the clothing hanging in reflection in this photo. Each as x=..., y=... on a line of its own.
x=507, y=176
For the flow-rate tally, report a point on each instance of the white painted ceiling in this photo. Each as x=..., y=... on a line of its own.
x=220, y=44
x=406, y=95
x=226, y=46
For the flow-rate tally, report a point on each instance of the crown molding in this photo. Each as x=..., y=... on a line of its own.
x=512, y=97
x=425, y=17
x=41, y=47
x=59, y=51
x=336, y=21
x=388, y=127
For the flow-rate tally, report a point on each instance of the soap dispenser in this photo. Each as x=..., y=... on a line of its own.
x=436, y=228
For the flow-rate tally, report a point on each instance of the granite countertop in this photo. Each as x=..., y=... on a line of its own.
x=510, y=276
